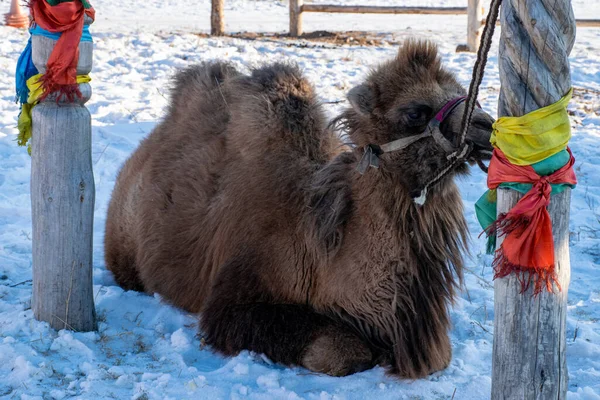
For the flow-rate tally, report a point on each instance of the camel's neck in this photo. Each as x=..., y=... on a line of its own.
x=435, y=232
x=367, y=226
x=396, y=271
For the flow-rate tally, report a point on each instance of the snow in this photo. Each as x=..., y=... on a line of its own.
x=146, y=349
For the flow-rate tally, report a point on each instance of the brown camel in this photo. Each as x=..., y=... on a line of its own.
x=244, y=206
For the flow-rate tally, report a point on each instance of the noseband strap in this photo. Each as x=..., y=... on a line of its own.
x=404, y=142
x=448, y=108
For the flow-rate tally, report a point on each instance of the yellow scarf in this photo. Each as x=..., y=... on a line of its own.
x=535, y=136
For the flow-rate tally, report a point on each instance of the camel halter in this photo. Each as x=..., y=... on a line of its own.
x=370, y=157
x=372, y=152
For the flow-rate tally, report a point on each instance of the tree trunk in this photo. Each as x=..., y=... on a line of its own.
x=62, y=202
x=529, y=360
x=217, y=23
x=475, y=23
x=296, y=18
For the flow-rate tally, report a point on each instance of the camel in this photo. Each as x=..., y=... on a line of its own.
x=245, y=206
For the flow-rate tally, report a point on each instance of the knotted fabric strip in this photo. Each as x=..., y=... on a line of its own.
x=527, y=151
x=25, y=67
x=66, y=18
x=528, y=246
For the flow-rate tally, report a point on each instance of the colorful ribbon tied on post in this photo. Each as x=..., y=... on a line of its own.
x=62, y=21
x=530, y=156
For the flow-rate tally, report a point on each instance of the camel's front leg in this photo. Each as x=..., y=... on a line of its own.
x=240, y=316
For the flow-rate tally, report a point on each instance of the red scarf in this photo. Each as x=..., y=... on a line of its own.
x=61, y=69
x=528, y=246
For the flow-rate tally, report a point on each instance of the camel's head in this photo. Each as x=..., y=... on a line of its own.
x=400, y=99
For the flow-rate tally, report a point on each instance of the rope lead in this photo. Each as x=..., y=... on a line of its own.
x=461, y=155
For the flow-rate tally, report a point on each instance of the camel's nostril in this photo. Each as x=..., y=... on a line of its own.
x=483, y=124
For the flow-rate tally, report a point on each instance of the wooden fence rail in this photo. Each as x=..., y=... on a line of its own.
x=475, y=12
x=325, y=8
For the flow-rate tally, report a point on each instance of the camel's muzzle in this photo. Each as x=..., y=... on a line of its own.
x=479, y=134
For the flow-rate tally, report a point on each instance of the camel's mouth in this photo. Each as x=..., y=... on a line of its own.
x=478, y=157
x=480, y=154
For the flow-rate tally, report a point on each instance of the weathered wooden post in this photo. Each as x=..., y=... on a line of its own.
x=62, y=200
x=529, y=360
x=475, y=23
x=16, y=17
x=296, y=18
x=217, y=22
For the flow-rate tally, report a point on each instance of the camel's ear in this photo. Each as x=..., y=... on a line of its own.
x=362, y=99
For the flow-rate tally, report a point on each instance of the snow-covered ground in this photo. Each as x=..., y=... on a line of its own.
x=146, y=349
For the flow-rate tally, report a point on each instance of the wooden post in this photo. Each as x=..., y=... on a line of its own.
x=475, y=23
x=62, y=201
x=296, y=18
x=217, y=22
x=529, y=359
x=16, y=17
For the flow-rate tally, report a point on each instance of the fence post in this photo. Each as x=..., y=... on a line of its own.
x=529, y=359
x=475, y=23
x=16, y=17
x=296, y=18
x=62, y=201
x=217, y=23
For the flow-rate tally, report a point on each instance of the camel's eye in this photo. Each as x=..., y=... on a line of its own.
x=417, y=115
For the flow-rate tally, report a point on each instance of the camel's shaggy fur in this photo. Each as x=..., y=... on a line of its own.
x=244, y=206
